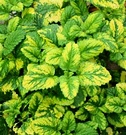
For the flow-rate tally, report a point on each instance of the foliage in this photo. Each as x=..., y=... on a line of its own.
x=62, y=67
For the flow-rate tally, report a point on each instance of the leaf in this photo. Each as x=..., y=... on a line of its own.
x=53, y=56
x=70, y=57
x=12, y=24
x=3, y=127
x=68, y=13
x=12, y=109
x=69, y=86
x=116, y=120
x=84, y=129
x=39, y=77
x=34, y=102
x=9, y=83
x=116, y=28
x=100, y=119
x=81, y=114
x=17, y=7
x=115, y=104
x=108, y=41
x=92, y=74
x=27, y=3
x=122, y=63
x=93, y=22
x=68, y=123
x=12, y=40
x=90, y=48
x=47, y=126
x=32, y=53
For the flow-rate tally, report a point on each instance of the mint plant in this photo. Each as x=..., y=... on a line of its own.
x=62, y=67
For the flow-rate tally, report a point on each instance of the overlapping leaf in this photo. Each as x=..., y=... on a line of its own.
x=69, y=86
x=93, y=22
x=93, y=74
x=70, y=57
x=90, y=48
x=13, y=40
x=40, y=77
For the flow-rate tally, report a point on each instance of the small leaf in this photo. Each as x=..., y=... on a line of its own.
x=93, y=22
x=93, y=74
x=68, y=123
x=70, y=57
x=13, y=40
x=85, y=129
x=12, y=24
x=69, y=86
x=53, y=56
x=100, y=119
x=90, y=48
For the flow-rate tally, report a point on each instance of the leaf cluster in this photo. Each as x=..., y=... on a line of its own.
x=62, y=67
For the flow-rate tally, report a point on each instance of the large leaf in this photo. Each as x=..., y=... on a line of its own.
x=85, y=129
x=47, y=126
x=93, y=22
x=69, y=86
x=108, y=41
x=68, y=123
x=93, y=74
x=13, y=39
x=70, y=57
x=40, y=77
x=90, y=48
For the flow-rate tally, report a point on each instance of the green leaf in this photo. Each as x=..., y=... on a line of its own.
x=116, y=120
x=39, y=77
x=9, y=83
x=116, y=28
x=115, y=104
x=17, y=7
x=12, y=40
x=47, y=126
x=70, y=57
x=12, y=24
x=68, y=13
x=81, y=114
x=93, y=22
x=108, y=41
x=68, y=123
x=32, y=53
x=90, y=48
x=84, y=129
x=27, y=2
x=122, y=63
x=69, y=86
x=34, y=102
x=92, y=74
x=100, y=119
x=53, y=56
x=12, y=109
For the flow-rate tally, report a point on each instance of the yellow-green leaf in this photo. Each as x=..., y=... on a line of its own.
x=39, y=77
x=93, y=74
x=53, y=56
x=90, y=48
x=12, y=24
x=69, y=86
x=93, y=22
x=70, y=57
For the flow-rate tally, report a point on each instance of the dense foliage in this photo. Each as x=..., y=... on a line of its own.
x=62, y=67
